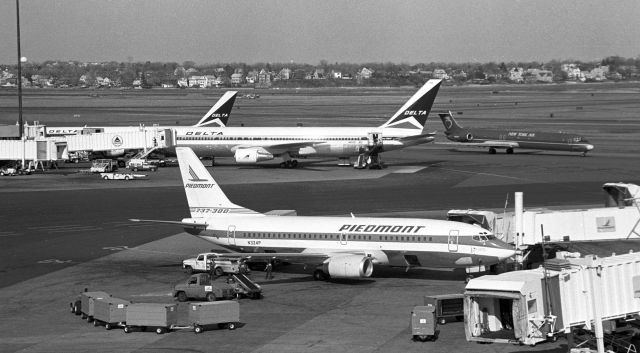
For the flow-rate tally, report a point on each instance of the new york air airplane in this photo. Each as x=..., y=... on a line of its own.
x=510, y=139
x=340, y=247
x=250, y=145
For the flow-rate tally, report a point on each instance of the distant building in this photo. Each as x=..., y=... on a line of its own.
x=516, y=75
x=285, y=74
x=537, y=75
x=440, y=74
x=365, y=73
x=237, y=79
x=252, y=77
x=318, y=74
x=264, y=79
x=336, y=75
x=211, y=81
x=198, y=81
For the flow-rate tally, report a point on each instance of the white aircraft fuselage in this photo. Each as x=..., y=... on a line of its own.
x=313, y=141
x=387, y=241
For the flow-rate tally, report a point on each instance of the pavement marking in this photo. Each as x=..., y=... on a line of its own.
x=488, y=174
x=7, y=234
x=116, y=248
x=77, y=229
x=54, y=261
x=408, y=170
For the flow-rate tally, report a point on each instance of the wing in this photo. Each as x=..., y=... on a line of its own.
x=192, y=225
x=280, y=148
x=311, y=257
x=486, y=144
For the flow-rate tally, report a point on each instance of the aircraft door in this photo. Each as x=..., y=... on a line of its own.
x=231, y=235
x=374, y=139
x=344, y=237
x=453, y=240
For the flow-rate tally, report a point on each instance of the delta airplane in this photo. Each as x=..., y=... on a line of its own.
x=340, y=247
x=218, y=115
x=510, y=139
x=250, y=145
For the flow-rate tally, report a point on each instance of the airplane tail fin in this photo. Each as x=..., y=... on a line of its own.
x=415, y=111
x=219, y=113
x=449, y=122
x=204, y=196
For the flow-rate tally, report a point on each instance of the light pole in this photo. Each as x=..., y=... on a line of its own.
x=20, y=124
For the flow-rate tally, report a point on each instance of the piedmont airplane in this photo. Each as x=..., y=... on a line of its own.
x=251, y=145
x=510, y=139
x=217, y=115
x=341, y=247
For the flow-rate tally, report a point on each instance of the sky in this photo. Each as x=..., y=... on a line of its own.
x=308, y=31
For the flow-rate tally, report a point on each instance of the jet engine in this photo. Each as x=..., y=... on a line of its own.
x=469, y=136
x=252, y=155
x=351, y=266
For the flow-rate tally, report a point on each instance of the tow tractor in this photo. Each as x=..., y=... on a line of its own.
x=121, y=176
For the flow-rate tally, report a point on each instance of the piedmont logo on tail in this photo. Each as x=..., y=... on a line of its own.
x=338, y=247
x=511, y=139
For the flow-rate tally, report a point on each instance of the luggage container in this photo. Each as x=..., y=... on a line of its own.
x=87, y=300
x=448, y=306
x=223, y=314
x=110, y=312
x=160, y=317
x=423, y=323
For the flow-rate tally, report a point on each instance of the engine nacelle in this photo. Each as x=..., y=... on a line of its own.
x=252, y=155
x=352, y=266
x=469, y=136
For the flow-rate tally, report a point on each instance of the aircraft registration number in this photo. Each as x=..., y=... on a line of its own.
x=254, y=242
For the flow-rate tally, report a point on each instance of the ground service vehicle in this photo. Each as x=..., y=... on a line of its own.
x=212, y=262
x=121, y=176
x=103, y=166
x=423, y=323
x=136, y=164
x=447, y=306
x=201, y=286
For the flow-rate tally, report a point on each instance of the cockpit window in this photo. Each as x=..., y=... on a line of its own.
x=483, y=237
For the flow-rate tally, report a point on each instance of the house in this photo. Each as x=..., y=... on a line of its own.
x=264, y=79
x=516, y=75
x=252, y=77
x=537, y=75
x=285, y=74
x=237, y=79
x=336, y=75
x=183, y=83
x=573, y=72
x=440, y=74
x=598, y=73
x=211, y=81
x=198, y=81
x=318, y=74
x=365, y=73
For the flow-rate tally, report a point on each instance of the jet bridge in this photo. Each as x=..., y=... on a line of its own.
x=144, y=139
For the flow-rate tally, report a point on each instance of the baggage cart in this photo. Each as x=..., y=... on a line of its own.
x=159, y=317
x=448, y=306
x=423, y=323
x=110, y=312
x=87, y=300
x=224, y=314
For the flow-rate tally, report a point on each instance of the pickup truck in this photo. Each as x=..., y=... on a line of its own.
x=213, y=263
x=201, y=286
x=136, y=164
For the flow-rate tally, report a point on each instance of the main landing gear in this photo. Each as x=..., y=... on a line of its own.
x=289, y=164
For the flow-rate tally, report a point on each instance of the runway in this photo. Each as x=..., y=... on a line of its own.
x=63, y=235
